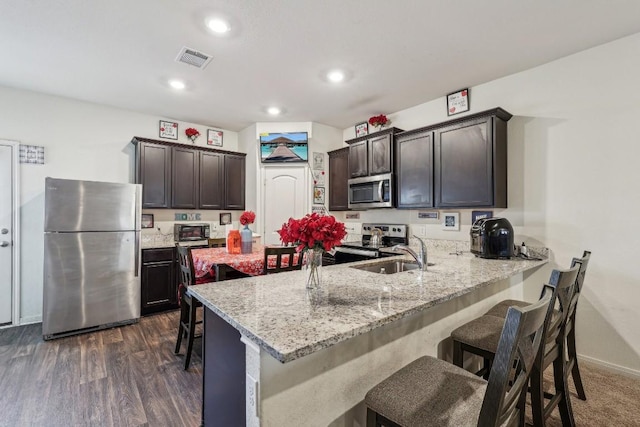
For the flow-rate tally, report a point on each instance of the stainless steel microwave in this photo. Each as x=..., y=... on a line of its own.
x=371, y=192
x=191, y=232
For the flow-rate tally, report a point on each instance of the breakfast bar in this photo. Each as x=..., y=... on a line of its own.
x=275, y=353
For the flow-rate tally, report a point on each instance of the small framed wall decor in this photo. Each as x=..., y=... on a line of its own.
x=451, y=221
x=318, y=161
x=214, y=137
x=168, y=130
x=362, y=129
x=318, y=195
x=476, y=215
x=147, y=221
x=458, y=102
x=225, y=218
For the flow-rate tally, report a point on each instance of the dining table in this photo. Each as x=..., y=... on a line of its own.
x=217, y=264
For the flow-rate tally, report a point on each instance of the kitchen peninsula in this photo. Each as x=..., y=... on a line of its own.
x=277, y=354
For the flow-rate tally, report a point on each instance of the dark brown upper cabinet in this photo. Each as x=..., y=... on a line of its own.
x=185, y=178
x=372, y=154
x=234, y=176
x=470, y=162
x=415, y=169
x=211, y=180
x=154, y=171
x=338, y=179
x=181, y=177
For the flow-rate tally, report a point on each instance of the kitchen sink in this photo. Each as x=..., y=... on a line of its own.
x=388, y=267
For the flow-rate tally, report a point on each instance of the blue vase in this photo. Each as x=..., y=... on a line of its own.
x=246, y=237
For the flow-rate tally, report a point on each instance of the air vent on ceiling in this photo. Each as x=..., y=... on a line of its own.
x=193, y=57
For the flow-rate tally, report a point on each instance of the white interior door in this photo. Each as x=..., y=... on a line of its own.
x=6, y=232
x=286, y=195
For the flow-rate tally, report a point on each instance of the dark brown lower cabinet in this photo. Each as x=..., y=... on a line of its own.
x=158, y=280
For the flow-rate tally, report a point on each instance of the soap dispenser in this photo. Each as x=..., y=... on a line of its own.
x=524, y=251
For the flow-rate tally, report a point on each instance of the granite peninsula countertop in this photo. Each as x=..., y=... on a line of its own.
x=281, y=316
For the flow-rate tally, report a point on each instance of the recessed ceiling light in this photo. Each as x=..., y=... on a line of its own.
x=335, y=76
x=218, y=26
x=274, y=111
x=177, y=84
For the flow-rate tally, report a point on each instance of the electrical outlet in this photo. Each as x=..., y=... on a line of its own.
x=419, y=230
x=252, y=394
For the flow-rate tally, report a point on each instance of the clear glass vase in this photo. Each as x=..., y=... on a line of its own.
x=246, y=238
x=313, y=267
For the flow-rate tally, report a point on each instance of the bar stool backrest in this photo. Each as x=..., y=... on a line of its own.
x=294, y=263
x=583, y=263
x=185, y=263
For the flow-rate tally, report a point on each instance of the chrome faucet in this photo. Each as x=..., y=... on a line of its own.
x=421, y=258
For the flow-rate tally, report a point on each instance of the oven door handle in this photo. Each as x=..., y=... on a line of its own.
x=362, y=252
x=380, y=184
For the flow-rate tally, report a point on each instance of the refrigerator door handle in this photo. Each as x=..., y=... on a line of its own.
x=137, y=255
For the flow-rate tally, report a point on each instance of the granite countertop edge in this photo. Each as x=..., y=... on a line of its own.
x=284, y=354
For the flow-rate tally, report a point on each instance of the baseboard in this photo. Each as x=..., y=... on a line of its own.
x=30, y=319
x=611, y=366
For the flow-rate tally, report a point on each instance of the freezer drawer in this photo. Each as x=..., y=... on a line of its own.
x=90, y=280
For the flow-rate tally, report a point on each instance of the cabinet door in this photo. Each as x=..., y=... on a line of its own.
x=338, y=180
x=158, y=281
x=154, y=173
x=380, y=154
x=464, y=164
x=211, y=180
x=234, y=177
x=358, y=159
x=415, y=170
x=184, y=192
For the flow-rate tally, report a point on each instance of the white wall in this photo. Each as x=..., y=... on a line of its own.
x=82, y=141
x=573, y=181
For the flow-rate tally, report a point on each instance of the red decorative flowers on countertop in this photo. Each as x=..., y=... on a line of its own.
x=313, y=231
x=247, y=217
x=379, y=120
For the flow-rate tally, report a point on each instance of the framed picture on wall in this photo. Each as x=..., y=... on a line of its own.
x=214, y=137
x=451, y=221
x=476, y=215
x=225, y=218
x=168, y=130
x=362, y=129
x=318, y=195
x=147, y=221
x=458, y=102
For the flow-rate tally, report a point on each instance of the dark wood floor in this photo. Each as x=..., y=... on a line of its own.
x=126, y=376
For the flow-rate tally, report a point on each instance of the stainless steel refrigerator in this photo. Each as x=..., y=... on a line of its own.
x=91, y=256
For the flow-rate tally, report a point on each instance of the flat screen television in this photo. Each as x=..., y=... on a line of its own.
x=284, y=147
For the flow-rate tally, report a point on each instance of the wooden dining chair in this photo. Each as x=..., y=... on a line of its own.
x=294, y=261
x=431, y=391
x=480, y=337
x=188, y=304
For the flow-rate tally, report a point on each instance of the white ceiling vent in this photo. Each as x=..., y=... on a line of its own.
x=193, y=57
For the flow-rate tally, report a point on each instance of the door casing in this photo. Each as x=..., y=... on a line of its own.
x=15, y=223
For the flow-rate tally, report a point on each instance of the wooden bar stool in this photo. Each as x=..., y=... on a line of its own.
x=188, y=304
x=430, y=391
x=479, y=337
x=500, y=310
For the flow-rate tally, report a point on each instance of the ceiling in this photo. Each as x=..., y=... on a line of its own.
x=397, y=54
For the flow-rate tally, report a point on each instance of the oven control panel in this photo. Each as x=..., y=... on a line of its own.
x=388, y=230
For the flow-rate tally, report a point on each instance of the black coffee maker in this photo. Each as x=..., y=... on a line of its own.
x=492, y=238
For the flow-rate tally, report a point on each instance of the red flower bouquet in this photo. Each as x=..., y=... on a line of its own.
x=378, y=121
x=192, y=134
x=313, y=232
x=247, y=217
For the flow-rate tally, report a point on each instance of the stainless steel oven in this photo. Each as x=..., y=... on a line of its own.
x=371, y=192
x=369, y=247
